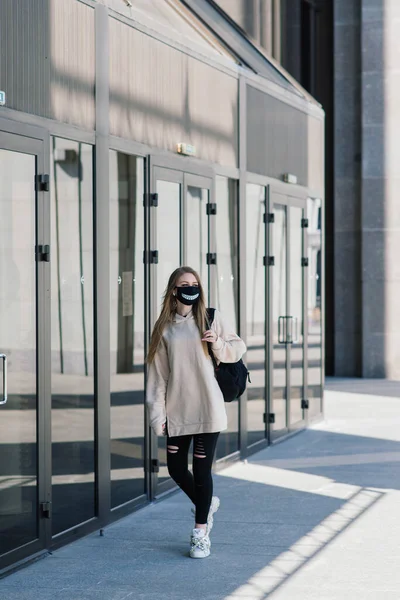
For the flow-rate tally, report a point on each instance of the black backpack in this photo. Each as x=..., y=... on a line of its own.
x=231, y=377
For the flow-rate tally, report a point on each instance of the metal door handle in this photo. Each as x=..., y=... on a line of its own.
x=289, y=330
x=281, y=330
x=293, y=330
x=4, y=357
x=296, y=324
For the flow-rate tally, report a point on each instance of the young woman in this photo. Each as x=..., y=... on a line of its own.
x=183, y=396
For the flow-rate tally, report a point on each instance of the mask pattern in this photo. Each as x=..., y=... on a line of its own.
x=188, y=295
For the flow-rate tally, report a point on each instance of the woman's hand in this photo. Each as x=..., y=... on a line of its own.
x=209, y=336
x=164, y=429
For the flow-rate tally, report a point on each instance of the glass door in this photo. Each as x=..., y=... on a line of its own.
x=287, y=285
x=127, y=328
x=296, y=305
x=197, y=210
x=180, y=233
x=278, y=418
x=164, y=256
x=256, y=301
x=23, y=267
x=314, y=308
x=72, y=335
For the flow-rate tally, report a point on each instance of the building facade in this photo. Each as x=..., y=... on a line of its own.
x=345, y=53
x=135, y=137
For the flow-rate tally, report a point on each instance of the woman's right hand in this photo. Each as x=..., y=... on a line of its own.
x=164, y=429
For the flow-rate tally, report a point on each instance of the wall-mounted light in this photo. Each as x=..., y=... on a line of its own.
x=186, y=149
x=289, y=178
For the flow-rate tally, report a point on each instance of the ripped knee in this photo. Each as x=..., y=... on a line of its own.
x=199, y=451
x=172, y=449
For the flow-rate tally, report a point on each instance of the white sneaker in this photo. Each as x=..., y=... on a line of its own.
x=215, y=503
x=200, y=545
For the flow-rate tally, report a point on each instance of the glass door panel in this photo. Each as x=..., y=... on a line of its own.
x=226, y=245
x=226, y=241
x=314, y=308
x=19, y=485
x=279, y=317
x=127, y=327
x=256, y=310
x=197, y=233
x=296, y=307
x=72, y=335
x=167, y=241
x=168, y=234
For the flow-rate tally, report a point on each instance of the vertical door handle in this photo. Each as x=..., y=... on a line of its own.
x=292, y=330
x=296, y=329
x=282, y=330
x=289, y=330
x=4, y=400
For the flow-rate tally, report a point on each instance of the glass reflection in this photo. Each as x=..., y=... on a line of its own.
x=126, y=327
x=296, y=311
x=314, y=308
x=227, y=289
x=169, y=248
x=256, y=310
x=18, y=435
x=197, y=233
x=72, y=341
x=279, y=322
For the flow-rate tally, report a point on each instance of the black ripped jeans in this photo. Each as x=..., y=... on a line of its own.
x=199, y=486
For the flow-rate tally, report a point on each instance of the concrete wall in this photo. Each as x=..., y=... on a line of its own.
x=380, y=187
x=161, y=96
x=47, y=65
x=367, y=221
x=277, y=137
x=347, y=190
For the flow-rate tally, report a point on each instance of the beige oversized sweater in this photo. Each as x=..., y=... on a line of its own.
x=182, y=388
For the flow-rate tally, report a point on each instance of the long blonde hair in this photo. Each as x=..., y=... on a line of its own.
x=168, y=312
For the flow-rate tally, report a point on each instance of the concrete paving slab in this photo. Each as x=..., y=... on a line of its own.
x=313, y=517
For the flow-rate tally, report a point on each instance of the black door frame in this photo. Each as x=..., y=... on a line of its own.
x=33, y=140
x=185, y=173
x=279, y=197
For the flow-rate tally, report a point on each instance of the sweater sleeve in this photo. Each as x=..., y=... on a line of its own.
x=228, y=348
x=157, y=383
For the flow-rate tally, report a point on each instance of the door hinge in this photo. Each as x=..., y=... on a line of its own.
x=46, y=509
x=211, y=208
x=304, y=223
x=269, y=418
x=151, y=257
x=150, y=200
x=269, y=218
x=305, y=404
x=304, y=262
x=42, y=253
x=155, y=465
x=42, y=183
x=269, y=261
x=211, y=258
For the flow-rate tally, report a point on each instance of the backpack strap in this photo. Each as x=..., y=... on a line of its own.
x=210, y=318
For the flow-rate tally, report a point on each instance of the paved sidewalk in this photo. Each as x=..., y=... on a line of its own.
x=316, y=517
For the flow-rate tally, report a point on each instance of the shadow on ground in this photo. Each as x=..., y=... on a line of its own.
x=278, y=511
x=372, y=387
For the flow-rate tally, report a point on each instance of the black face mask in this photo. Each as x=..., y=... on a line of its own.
x=188, y=295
